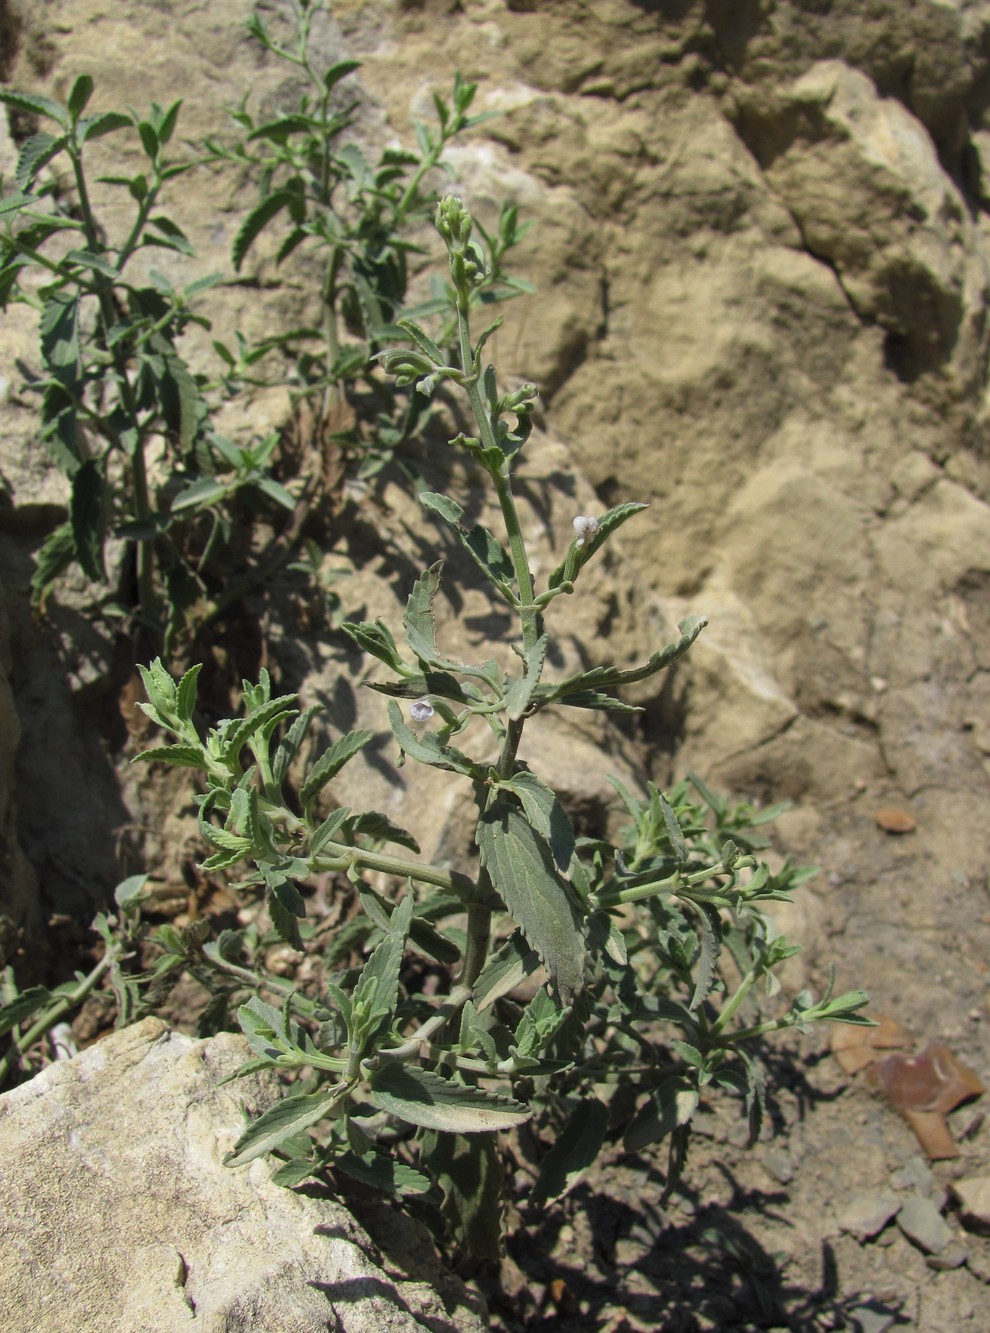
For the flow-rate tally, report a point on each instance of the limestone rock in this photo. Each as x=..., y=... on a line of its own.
x=118, y=1213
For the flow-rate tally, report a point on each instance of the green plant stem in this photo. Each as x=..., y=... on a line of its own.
x=63, y=1005
x=343, y=858
x=731, y=1005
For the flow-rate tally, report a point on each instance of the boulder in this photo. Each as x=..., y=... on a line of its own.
x=118, y=1212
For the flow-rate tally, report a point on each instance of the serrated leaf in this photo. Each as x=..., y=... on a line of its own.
x=291, y=1116
x=383, y=1173
x=180, y=756
x=609, y=677
x=521, y=868
x=327, y=829
x=427, y=749
x=87, y=514
x=418, y=622
x=331, y=762
x=470, y=1174
x=423, y=1098
x=96, y=263
x=284, y=921
x=605, y=526
x=710, y=935
x=574, y=1151
x=104, y=122
x=545, y=813
x=483, y=547
x=674, y=833
x=41, y=106
x=520, y=693
x=35, y=152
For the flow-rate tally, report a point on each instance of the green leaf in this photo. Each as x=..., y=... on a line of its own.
x=130, y=892
x=105, y=122
x=423, y=1098
x=470, y=1174
x=339, y=71
x=574, y=1151
x=97, y=263
x=87, y=509
x=546, y=815
x=377, y=991
x=284, y=919
x=485, y=550
x=22, y=1007
x=35, y=152
x=376, y=639
x=670, y=1107
x=291, y=1115
x=520, y=693
x=383, y=1173
x=59, y=326
x=56, y=555
x=609, y=677
x=327, y=829
x=256, y=221
x=607, y=524
x=710, y=935
x=331, y=762
x=41, y=106
x=419, y=622
x=505, y=970
x=180, y=756
x=428, y=749
x=201, y=494
x=677, y=843
x=82, y=91
x=521, y=867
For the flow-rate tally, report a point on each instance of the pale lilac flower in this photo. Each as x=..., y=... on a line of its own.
x=585, y=526
x=421, y=710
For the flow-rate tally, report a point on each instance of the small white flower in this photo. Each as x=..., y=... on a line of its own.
x=421, y=710
x=585, y=526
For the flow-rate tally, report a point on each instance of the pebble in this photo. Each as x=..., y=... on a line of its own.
x=915, y=1174
x=973, y=1196
x=871, y=1318
x=954, y=1255
x=867, y=1215
x=923, y=1225
x=778, y=1162
x=894, y=820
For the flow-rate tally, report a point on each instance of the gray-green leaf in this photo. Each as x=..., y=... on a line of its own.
x=424, y=1098
x=521, y=867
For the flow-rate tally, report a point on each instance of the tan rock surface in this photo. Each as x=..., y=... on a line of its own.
x=126, y=1141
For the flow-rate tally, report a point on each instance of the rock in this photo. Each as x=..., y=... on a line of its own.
x=923, y=1225
x=118, y=1212
x=973, y=1197
x=867, y=1214
x=954, y=1255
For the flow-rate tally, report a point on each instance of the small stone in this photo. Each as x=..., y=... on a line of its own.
x=778, y=1162
x=973, y=1197
x=894, y=820
x=867, y=1215
x=923, y=1225
x=954, y=1255
x=871, y=1318
x=915, y=1174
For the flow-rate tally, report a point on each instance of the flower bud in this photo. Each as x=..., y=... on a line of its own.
x=454, y=221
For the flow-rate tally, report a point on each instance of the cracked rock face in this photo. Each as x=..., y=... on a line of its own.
x=126, y=1141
